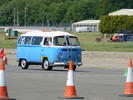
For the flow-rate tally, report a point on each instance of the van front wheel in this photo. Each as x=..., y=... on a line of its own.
x=45, y=65
x=24, y=64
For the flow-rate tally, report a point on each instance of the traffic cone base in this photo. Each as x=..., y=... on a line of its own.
x=3, y=85
x=70, y=91
x=129, y=88
x=74, y=97
x=128, y=92
x=3, y=92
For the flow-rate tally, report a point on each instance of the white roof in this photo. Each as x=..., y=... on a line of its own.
x=46, y=34
x=86, y=22
x=128, y=12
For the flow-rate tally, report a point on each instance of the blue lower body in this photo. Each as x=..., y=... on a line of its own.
x=55, y=55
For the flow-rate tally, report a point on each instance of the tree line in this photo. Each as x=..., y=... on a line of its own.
x=56, y=12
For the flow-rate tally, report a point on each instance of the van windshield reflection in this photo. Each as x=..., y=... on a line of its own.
x=73, y=41
x=66, y=41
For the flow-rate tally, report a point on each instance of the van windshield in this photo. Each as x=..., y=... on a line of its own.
x=73, y=41
x=66, y=41
x=60, y=41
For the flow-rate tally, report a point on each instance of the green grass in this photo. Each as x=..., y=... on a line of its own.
x=102, y=46
x=5, y=43
x=87, y=41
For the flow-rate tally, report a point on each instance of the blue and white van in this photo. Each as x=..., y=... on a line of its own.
x=48, y=49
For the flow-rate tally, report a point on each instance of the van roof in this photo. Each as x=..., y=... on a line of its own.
x=46, y=34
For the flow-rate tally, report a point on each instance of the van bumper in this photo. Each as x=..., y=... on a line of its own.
x=66, y=63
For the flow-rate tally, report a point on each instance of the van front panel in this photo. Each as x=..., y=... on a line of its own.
x=64, y=54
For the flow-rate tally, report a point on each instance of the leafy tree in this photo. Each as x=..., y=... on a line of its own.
x=45, y=12
x=80, y=10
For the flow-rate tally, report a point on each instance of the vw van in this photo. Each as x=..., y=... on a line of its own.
x=49, y=49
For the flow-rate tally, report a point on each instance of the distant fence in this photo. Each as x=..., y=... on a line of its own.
x=43, y=28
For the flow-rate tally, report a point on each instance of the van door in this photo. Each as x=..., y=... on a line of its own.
x=23, y=48
x=35, y=49
x=46, y=51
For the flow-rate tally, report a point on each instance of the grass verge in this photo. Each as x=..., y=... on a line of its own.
x=5, y=43
x=87, y=41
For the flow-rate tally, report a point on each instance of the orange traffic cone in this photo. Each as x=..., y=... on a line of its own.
x=70, y=92
x=3, y=85
x=3, y=56
x=129, y=80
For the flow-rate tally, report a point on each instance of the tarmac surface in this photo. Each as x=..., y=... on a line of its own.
x=99, y=78
x=90, y=83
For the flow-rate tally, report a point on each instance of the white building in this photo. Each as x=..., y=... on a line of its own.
x=91, y=24
x=128, y=12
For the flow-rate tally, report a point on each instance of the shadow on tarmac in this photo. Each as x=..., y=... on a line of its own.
x=60, y=70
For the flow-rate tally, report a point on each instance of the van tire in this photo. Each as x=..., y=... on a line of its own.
x=45, y=65
x=24, y=64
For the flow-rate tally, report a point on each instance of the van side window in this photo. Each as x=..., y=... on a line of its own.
x=25, y=40
x=48, y=41
x=36, y=40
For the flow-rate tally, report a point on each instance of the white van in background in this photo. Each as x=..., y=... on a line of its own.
x=83, y=29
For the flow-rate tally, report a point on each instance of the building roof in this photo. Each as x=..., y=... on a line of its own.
x=128, y=12
x=46, y=34
x=87, y=22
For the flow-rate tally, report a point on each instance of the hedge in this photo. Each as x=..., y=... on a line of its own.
x=112, y=24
